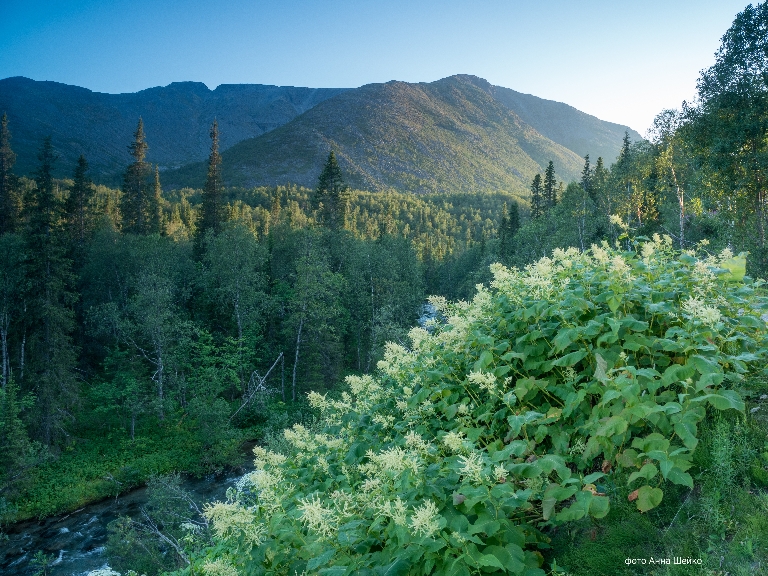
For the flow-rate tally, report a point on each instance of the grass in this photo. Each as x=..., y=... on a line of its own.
x=104, y=461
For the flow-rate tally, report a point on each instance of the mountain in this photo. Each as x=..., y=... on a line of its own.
x=177, y=120
x=564, y=124
x=458, y=134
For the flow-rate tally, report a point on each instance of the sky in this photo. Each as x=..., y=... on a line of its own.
x=620, y=60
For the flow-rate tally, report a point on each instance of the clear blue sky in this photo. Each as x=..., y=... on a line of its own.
x=621, y=60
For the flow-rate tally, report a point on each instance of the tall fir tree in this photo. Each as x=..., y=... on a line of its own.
x=549, y=187
x=155, y=205
x=510, y=224
x=77, y=206
x=586, y=177
x=537, y=202
x=139, y=205
x=49, y=298
x=332, y=194
x=8, y=182
x=213, y=209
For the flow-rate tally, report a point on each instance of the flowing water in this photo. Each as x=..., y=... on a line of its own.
x=77, y=540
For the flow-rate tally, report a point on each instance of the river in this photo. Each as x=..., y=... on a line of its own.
x=77, y=540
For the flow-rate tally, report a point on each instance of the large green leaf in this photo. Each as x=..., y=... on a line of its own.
x=599, y=506
x=570, y=359
x=724, y=400
x=648, y=471
x=736, y=266
x=321, y=560
x=613, y=426
x=648, y=498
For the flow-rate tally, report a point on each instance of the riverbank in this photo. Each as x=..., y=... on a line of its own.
x=74, y=544
x=105, y=465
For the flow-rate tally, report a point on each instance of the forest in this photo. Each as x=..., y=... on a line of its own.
x=147, y=331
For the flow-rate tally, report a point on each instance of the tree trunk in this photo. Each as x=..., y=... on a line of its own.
x=23, y=344
x=296, y=359
x=239, y=319
x=681, y=203
x=4, y=337
x=160, y=375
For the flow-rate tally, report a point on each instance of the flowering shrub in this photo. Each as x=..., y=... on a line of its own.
x=504, y=420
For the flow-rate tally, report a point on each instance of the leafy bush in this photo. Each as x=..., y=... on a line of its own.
x=515, y=414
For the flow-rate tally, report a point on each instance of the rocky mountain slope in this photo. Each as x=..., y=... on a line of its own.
x=453, y=135
x=458, y=134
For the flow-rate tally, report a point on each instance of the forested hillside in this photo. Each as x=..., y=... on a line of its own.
x=448, y=136
x=177, y=117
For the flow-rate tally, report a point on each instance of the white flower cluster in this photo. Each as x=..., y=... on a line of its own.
x=538, y=278
x=231, y=519
x=394, y=460
x=485, y=380
x=472, y=468
x=264, y=457
x=454, y=441
x=395, y=357
x=219, y=567
x=697, y=309
x=317, y=400
x=317, y=518
x=395, y=510
x=365, y=388
x=616, y=220
x=620, y=268
x=425, y=520
x=386, y=420
x=414, y=441
x=600, y=254
x=419, y=338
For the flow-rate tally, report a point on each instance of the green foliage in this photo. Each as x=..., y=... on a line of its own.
x=49, y=295
x=9, y=192
x=582, y=379
x=213, y=209
x=158, y=540
x=140, y=202
x=331, y=194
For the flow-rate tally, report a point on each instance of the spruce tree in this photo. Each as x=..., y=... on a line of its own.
x=510, y=224
x=332, y=194
x=586, y=177
x=537, y=204
x=549, y=191
x=598, y=182
x=513, y=220
x=48, y=302
x=8, y=182
x=77, y=205
x=139, y=205
x=155, y=205
x=213, y=209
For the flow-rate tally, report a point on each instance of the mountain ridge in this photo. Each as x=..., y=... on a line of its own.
x=460, y=133
x=451, y=135
x=177, y=119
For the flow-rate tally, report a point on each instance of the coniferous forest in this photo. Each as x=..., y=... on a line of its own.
x=599, y=401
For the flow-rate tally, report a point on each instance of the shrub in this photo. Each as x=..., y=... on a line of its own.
x=511, y=416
